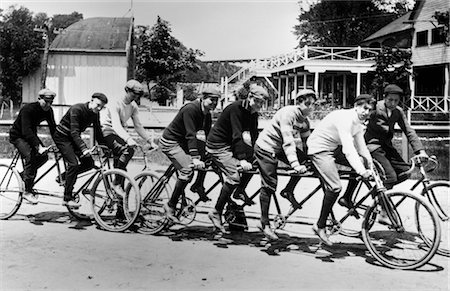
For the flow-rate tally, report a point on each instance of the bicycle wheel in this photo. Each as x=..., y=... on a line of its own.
x=113, y=209
x=153, y=218
x=348, y=222
x=439, y=196
x=11, y=189
x=402, y=247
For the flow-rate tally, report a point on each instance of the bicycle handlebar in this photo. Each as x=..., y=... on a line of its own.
x=421, y=162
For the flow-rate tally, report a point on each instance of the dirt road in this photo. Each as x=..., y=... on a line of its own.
x=43, y=248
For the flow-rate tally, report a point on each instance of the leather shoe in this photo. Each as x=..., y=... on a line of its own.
x=345, y=203
x=200, y=190
x=268, y=232
x=322, y=234
x=170, y=213
x=215, y=218
x=383, y=218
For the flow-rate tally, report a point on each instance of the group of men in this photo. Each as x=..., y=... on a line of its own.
x=351, y=136
x=109, y=129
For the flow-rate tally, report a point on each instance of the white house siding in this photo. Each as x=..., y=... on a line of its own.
x=75, y=77
x=431, y=54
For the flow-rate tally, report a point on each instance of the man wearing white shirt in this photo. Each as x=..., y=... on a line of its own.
x=114, y=122
x=344, y=128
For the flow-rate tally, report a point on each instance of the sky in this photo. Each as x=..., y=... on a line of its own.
x=222, y=29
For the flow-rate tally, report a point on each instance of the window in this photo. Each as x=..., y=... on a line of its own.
x=437, y=35
x=422, y=38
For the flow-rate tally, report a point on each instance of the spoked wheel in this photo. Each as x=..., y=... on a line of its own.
x=152, y=219
x=115, y=204
x=11, y=189
x=279, y=221
x=348, y=221
x=396, y=242
x=439, y=196
x=84, y=212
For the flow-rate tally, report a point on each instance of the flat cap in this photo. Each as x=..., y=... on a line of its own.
x=100, y=96
x=211, y=92
x=46, y=93
x=304, y=92
x=257, y=91
x=366, y=97
x=134, y=86
x=392, y=88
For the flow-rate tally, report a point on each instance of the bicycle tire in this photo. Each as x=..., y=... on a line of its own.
x=350, y=223
x=152, y=219
x=11, y=190
x=438, y=194
x=401, y=248
x=106, y=203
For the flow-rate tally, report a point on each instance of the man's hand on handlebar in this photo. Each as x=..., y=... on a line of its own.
x=198, y=164
x=131, y=142
x=246, y=166
x=367, y=174
x=301, y=169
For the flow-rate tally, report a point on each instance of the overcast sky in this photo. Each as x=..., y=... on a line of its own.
x=222, y=29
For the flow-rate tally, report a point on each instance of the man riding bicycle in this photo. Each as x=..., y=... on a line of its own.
x=114, y=123
x=283, y=140
x=180, y=144
x=23, y=135
x=73, y=149
x=228, y=146
x=341, y=128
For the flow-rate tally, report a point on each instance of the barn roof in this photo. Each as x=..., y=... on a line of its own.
x=99, y=33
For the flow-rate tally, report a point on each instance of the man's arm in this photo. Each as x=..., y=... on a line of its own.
x=75, y=132
x=238, y=146
x=348, y=148
x=191, y=133
x=410, y=133
x=51, y=122
x=289, y=146
x=138, y=125
x=27, y=127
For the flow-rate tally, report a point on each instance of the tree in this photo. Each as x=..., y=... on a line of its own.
x=162, y=58
x=19, y=50
x=393, y=66
x=340, y=23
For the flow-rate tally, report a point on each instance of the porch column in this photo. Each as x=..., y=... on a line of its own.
x=305, y=81
x=332, y=90
x=295, y=88
x=316, y=83
x=279, y=92
x=446, y=86
x=413, y=93
x=358, y=84
x=226, y=90
x=286, y=92
x=344, y=90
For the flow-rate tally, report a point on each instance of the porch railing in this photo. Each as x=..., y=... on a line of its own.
x=429, y=104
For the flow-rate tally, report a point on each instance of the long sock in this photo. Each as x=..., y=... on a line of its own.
x=293, y=181
x=224, y=196
x=264, y=200
x=200, y=179
x=328, y=201
x=351, y=186
x=180, y=185
x=245, y=179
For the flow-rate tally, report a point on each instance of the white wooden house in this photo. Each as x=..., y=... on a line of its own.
x=92, y=55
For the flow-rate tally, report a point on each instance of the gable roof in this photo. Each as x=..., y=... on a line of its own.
x=99, y=33
x=392, y=27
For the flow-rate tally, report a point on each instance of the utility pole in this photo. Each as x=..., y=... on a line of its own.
x=48, y=26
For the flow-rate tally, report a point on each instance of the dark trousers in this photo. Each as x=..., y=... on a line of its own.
x=393, y=165
x=268, y=164
x=74, y=164
x=32, y=161
x=121, y=152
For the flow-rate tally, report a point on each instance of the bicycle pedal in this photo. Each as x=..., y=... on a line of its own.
x=86, y=191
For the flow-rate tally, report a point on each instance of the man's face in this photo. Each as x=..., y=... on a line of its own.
x=256, y=103
x=96, y=105
x=46, y=103
x=391, y=100
x=308, y=105
x=210, y=103
x=134, y=96
x=363, y=111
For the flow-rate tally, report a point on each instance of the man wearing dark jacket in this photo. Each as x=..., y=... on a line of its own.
x=231, y=142
x=68, y=139
x=379, y=135
x=180, y=144
x=23, y=135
